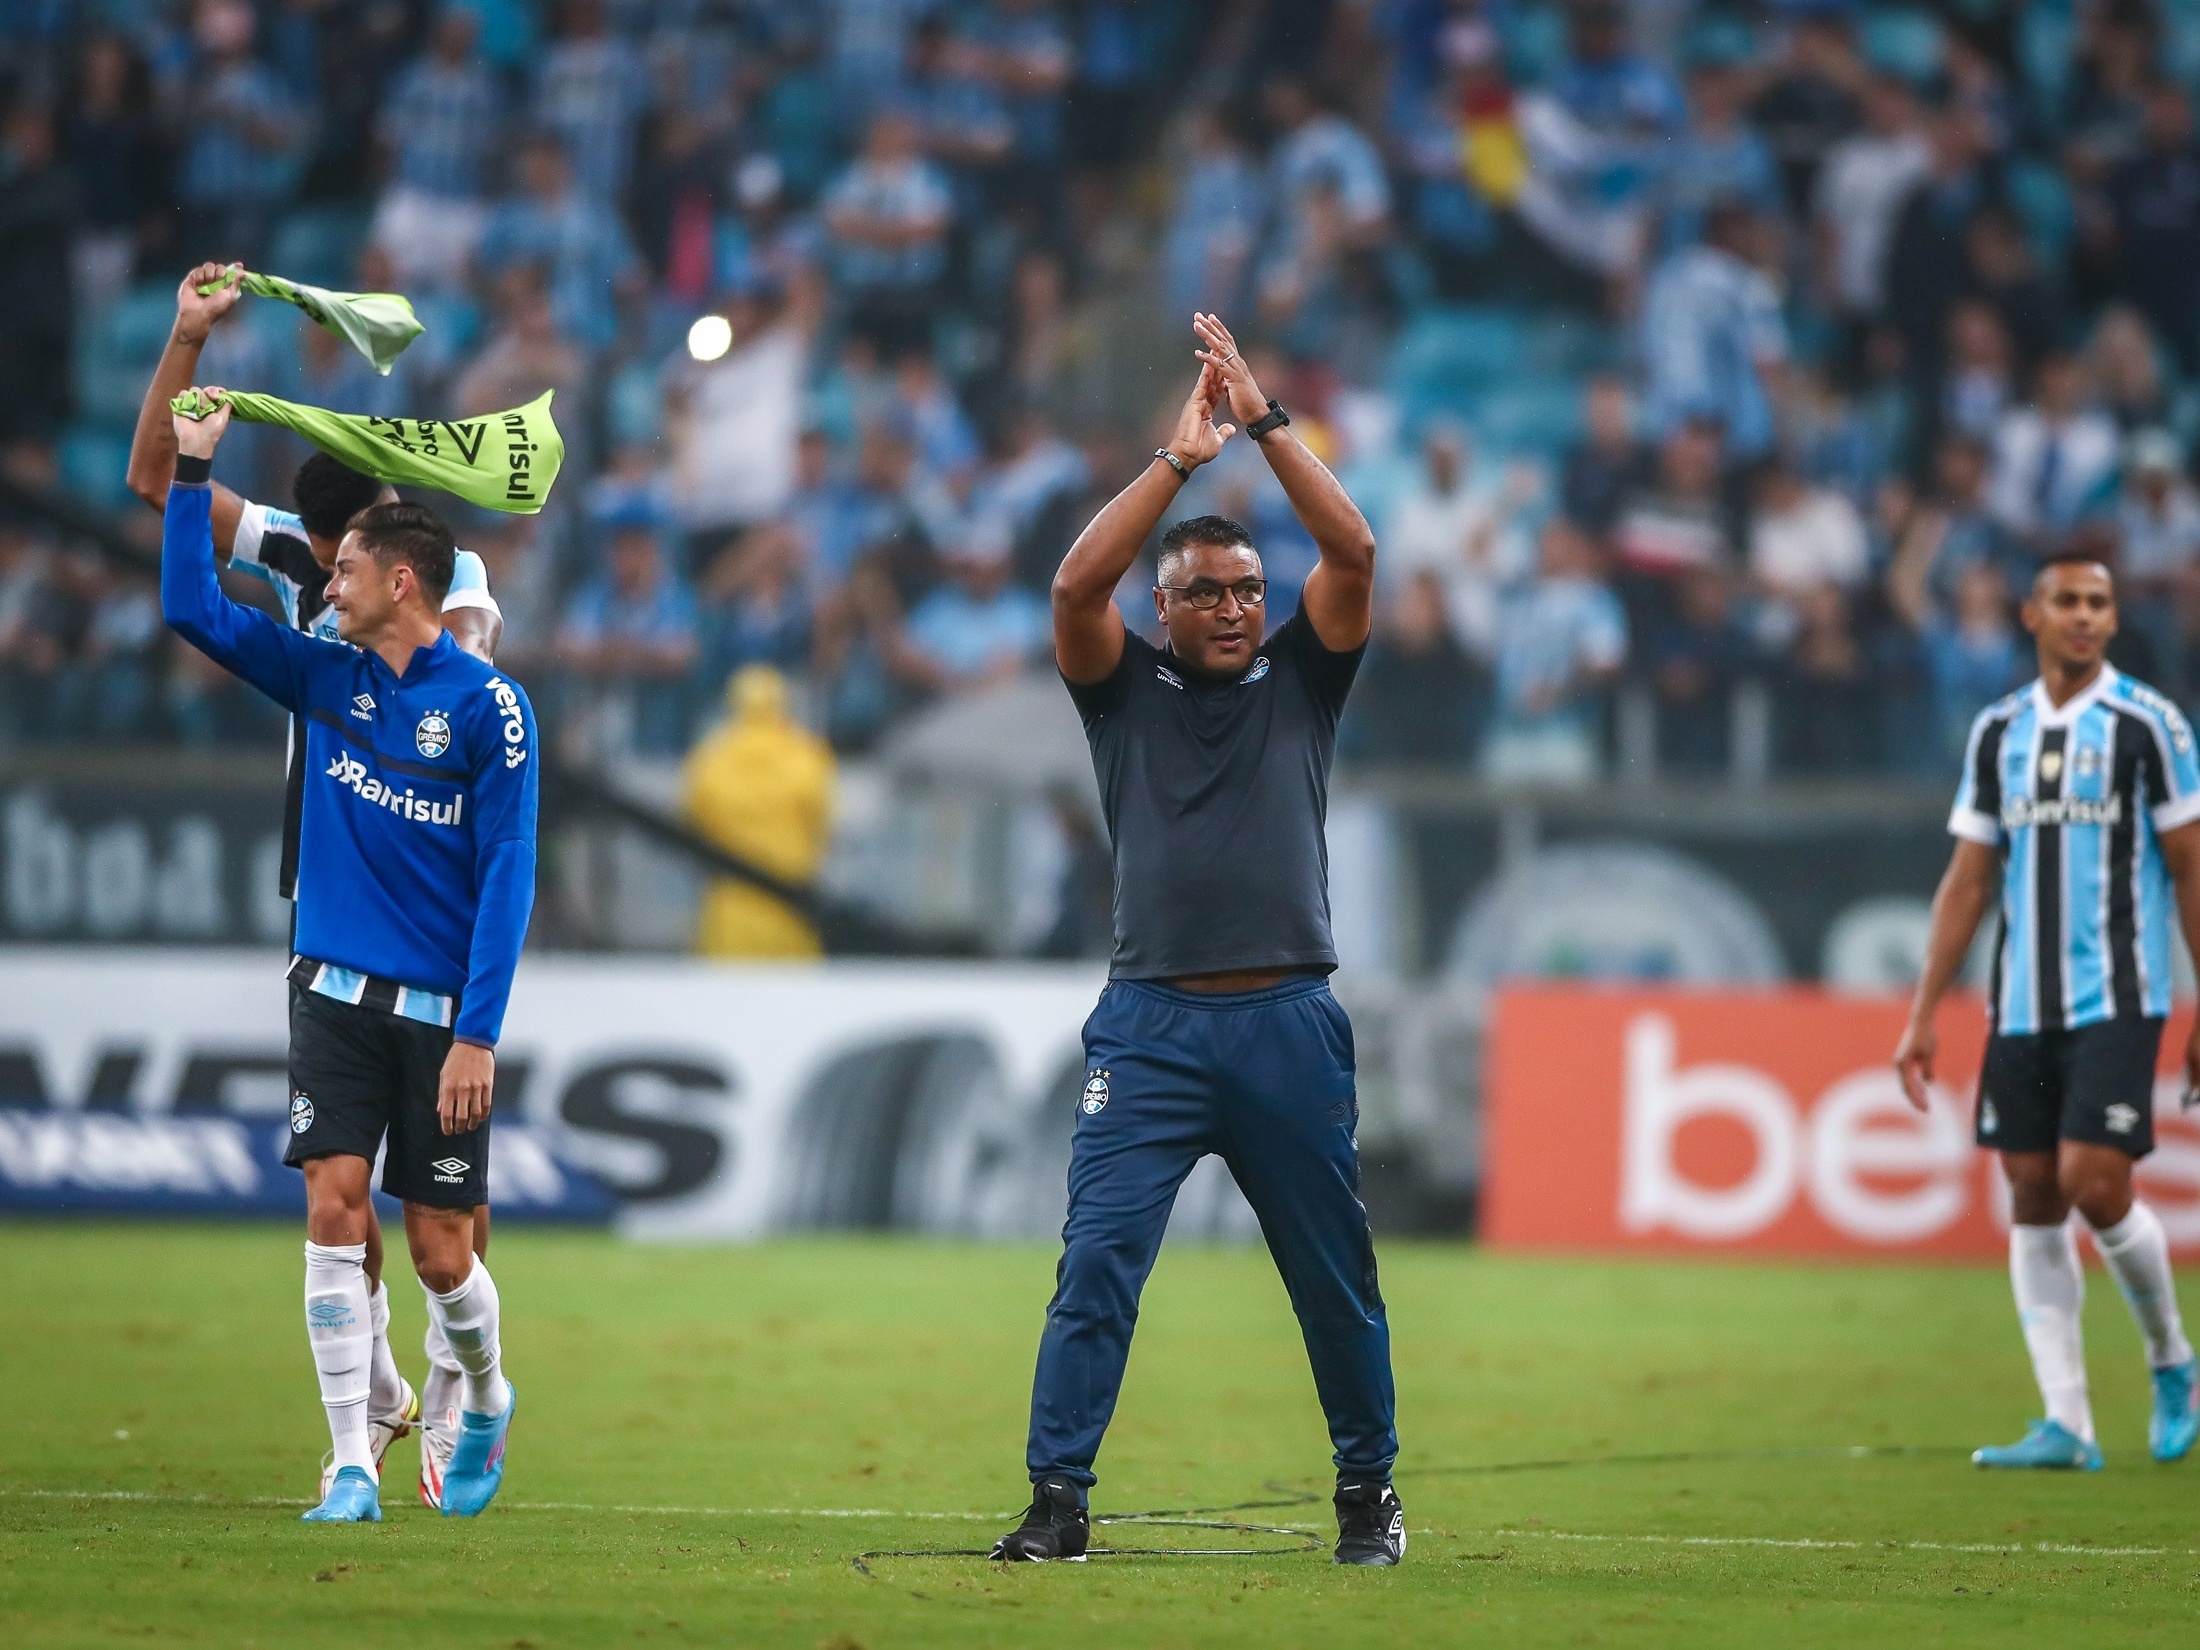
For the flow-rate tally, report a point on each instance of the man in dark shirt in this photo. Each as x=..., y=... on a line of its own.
x=1217, y=1031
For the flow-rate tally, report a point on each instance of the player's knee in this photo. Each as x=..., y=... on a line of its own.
x=442, y=1246
x=2102, y=1194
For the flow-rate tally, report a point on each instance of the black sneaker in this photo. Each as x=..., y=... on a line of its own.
x=1371, y=1525
x=1055, y=1527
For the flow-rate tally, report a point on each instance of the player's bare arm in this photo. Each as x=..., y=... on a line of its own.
x=1088, y=631
x=477, y=630
x=153, y=443
x=2181, y=853
x=1339, y=597
x=1967, y=891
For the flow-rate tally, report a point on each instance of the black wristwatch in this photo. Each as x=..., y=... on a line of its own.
x=1274, y=419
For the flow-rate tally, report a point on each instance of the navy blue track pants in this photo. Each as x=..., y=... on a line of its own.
x=1264, y=1079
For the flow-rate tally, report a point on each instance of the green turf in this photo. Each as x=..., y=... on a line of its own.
x=161, y=1425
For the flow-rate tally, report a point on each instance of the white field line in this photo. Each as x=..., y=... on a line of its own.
x=1799, y=1543
x=1814, y=1542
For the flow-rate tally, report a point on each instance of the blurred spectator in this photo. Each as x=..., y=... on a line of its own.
x=2004, y=275
x=2104, y=115
x=591, y=91
x=1677, y=517
x=244, y=131
x=1208, y=248
x=1811, y=101
x=1466, y=535
x=755, y=609
x=1827, y=718
x=962, y=121
x=630, y=638
x=591, y=263
x=33, y=640
x=1928, y=268
x=112, y=143
x=1419, y=698
x=1861, y=188
x=440, y=128
x=2127, y=370
x=1712, y=334
x=2055, y=459
x=1692, y=662
x=1953, y=530
x=2154, y=210
x=1802, y=536
x=1563, y=640
x=1321, y=158
x=761, y=787
x=1720, y=157
x=734, y=421
x=1982, y=370
x=1084, y=905
x=2158, y=544
x=974, y=630
x=1977, y=655
x=946, y=444
x=525, y=355
x=1607, y=463
x=107, y=690
x=37, y=222
x=1020, y=48
x=888, y=214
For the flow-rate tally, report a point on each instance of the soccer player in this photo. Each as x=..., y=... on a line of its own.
x=2080, y=802
x=415, y=880
x=1217, y=1031
x=293, y=554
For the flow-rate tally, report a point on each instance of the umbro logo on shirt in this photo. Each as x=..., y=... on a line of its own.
x=362, y=706
x=1164, y=673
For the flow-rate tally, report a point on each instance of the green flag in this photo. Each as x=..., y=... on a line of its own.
x=377, y=324
x=500, y=461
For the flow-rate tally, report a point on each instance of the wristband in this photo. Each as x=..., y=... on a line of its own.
x=1274, y=419
x=1173, y=462
x=192, y=471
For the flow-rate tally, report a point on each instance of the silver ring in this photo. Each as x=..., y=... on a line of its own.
x=1227, y=359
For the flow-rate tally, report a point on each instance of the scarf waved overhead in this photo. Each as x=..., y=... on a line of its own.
x=499, y=461
x=377, y=324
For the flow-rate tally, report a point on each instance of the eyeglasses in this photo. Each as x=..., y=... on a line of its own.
x=1206, y=594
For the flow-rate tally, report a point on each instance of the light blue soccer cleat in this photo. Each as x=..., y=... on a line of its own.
x=2045, y=1444
x=352, y=1498
x=2176, y=1419
x=476, y=1470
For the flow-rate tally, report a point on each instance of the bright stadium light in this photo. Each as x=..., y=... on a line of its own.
x=710, y=337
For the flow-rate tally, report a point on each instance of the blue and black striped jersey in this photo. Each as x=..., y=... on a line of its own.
x=2076, y=797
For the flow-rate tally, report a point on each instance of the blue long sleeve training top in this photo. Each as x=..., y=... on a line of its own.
x=416, y=857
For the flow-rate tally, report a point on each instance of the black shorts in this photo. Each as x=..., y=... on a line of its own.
x=356, y=1073
x=2094, y=1084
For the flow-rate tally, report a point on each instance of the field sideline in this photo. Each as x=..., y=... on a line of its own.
x=708, y=1436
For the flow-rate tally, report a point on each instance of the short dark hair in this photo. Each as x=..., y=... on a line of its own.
x=1193, y=530
x=328, y=493
x=2074, y=555
x=414, y=535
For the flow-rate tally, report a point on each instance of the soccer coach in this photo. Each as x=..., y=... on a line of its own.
x=415, y=882
x=1217, y=1031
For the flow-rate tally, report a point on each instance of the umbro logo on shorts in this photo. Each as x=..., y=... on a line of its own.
x=450, y=1169
x=2120, y=1118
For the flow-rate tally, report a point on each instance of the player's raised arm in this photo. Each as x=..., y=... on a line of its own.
x=153, y=443
x=270, y=656
x=1339, y=597
x=1088, y=631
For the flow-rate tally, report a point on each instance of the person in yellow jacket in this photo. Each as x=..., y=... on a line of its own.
x=760, y=786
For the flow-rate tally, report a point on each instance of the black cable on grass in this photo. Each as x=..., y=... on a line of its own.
x=1306, y=1541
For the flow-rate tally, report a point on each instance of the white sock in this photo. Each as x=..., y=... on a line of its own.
x=385, y=1387
x=339, y=1328
x=2050, y=1290
x=468, y=1318
x=439, y=1397
x=2137, y=1252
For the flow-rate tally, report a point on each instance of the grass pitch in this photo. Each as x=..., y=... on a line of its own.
x=708, y=1436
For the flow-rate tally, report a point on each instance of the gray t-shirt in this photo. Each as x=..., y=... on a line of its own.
x=1215, y=794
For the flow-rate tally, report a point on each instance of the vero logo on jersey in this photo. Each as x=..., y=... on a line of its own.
x=347, y=770
x=515, y=722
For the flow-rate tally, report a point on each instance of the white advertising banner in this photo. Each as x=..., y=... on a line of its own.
x=714, y=1100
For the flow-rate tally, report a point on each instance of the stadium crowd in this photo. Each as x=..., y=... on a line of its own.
x=1715, y=375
